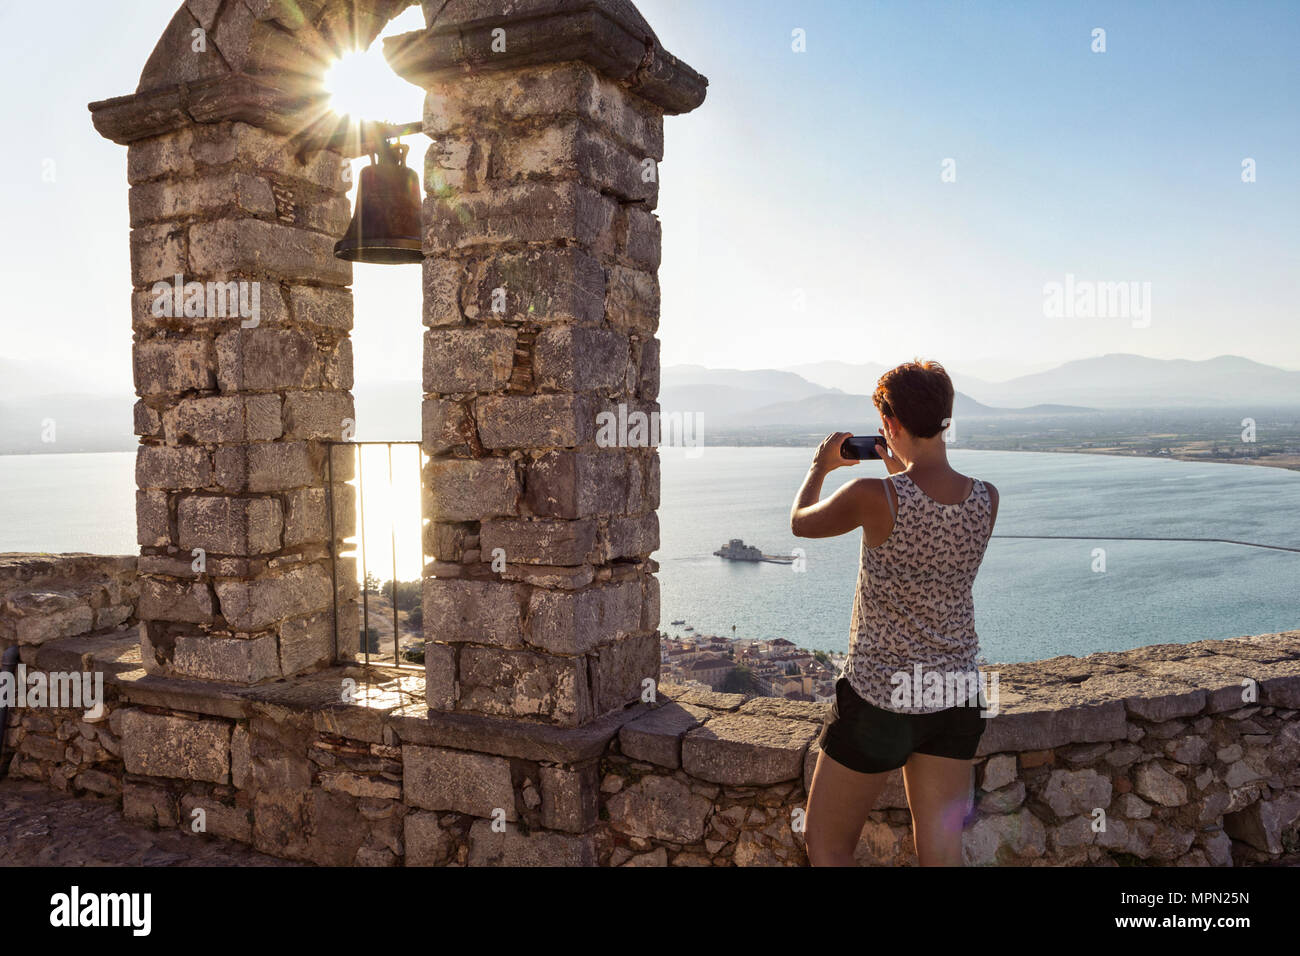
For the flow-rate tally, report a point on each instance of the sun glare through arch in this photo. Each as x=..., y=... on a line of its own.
x=386, y=335
x=363, y=86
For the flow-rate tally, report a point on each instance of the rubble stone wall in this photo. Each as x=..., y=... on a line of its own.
x=1185, y=754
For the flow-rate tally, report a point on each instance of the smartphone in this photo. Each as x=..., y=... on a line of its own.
x=862, y=447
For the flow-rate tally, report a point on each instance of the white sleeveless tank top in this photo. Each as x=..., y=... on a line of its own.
x=913, y=603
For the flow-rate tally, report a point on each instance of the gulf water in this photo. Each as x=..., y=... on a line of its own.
x=1033, y=599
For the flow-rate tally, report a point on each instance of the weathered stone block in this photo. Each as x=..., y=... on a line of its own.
x=440, y=676
x=1155, y=783
x=445, y=424
x=512, y=683
x=570, y=798
x=537, y=286
x=222, y=419
x=539, y=541
x=306, y=517
x=262, y=602
x=148, y=422
x=536, y=848
x=317, y=415
x=528, y=212
x=659, y=808
x=149, y=805
x=621, y=668
x=251, y=246
x=573, y=622
x=39, y=615
x=1071, y=792
x=533, y=93
x=639, y=238
x=232, y=823
x=240, y=661
x=268, y=358
x=463, y=489
x=220, y=144
x=739, y=750
x=574, y=358
x=242, y=526
x=481, y=612
x=572, y=484
x=647, y=382
x=160, y=745
x=158, y=466
x=657, y=736
x=269, y=466
x=157, y=253
x=172, y=365
x=634, y=536
x=467, y=359
x=632, y=300
x=435, y=778
x=306, y=642
x=164, y=155
x=650, y=608
x=164, y=599
x=231, y=191
x=151, y=519
x=425, y=842
x=322, y=306
x=535, y=421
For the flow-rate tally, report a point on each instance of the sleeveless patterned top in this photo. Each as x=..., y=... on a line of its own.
x=913, y=602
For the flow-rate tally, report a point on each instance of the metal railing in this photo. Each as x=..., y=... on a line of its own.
x=358, y=452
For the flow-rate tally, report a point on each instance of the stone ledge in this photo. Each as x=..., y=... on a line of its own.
x=742, y=750
x=247, y=99
x=610, y=35
x=114, y=652
x=511, y=738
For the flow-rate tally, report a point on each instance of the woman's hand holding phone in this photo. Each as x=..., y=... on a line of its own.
x=829, y=455
x=892, y=464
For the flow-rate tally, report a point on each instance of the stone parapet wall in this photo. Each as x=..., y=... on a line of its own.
x=1149, y=756
x=62, y=611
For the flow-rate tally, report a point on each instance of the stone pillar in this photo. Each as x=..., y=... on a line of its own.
x=542, y=304
x=235, y=578
x=242, y=359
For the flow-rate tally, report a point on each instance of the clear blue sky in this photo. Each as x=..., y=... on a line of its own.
x=816, y=171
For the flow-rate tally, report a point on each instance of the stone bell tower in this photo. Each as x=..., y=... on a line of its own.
x=541, y=304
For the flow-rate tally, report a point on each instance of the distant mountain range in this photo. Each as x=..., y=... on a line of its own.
x=734, y=398
x=824, y=394
x=1115, y=381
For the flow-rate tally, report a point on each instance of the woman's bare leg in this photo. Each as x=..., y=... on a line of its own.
x=939, y=794
x=839, y=800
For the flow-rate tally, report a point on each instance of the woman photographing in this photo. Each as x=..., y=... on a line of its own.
x=924, y=531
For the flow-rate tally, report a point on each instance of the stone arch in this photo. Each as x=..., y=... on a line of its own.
x=537, y=188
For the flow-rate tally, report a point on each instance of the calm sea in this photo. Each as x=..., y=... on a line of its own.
x=1033, y=599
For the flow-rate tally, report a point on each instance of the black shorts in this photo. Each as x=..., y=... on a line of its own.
x=870, y=739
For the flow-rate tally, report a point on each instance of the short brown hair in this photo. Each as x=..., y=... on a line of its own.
x=919, y=394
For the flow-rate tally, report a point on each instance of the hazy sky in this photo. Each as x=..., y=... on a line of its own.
x=809, y=178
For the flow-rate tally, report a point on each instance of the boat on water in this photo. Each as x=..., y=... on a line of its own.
x=676, y=623
x=737, y=550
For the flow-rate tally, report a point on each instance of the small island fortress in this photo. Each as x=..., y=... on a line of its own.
x=737, y=550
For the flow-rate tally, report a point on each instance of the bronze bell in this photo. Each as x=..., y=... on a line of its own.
x=385, y=225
